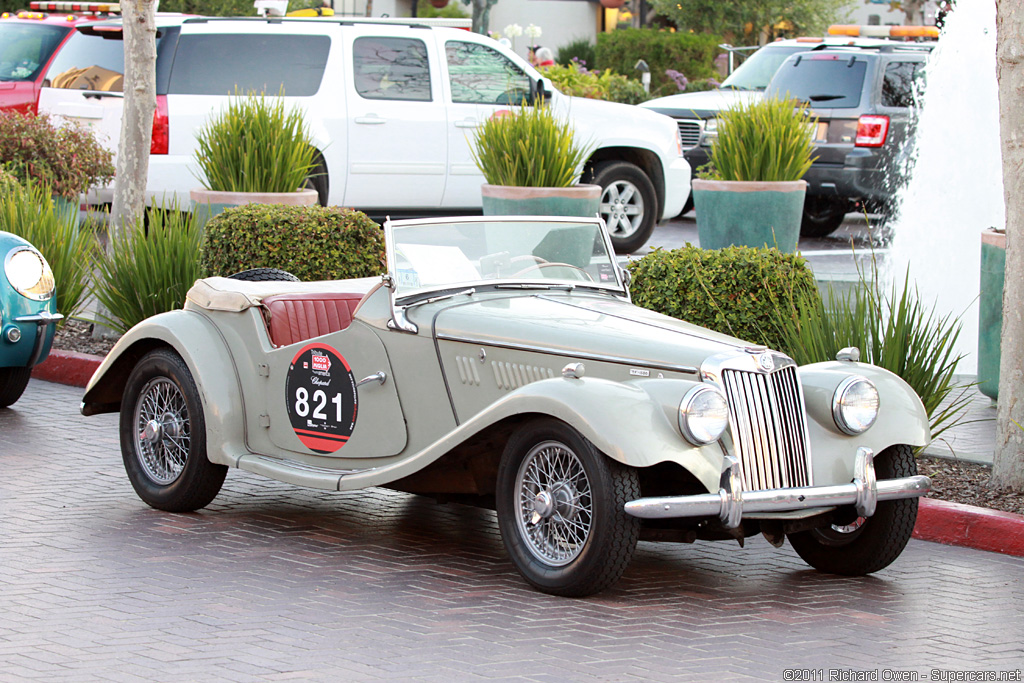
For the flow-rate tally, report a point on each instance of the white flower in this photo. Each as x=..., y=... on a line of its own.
x=513, y=30
x=533, y=31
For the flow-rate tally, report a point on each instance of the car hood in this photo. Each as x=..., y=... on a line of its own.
x=583, y=327
x=700, y=104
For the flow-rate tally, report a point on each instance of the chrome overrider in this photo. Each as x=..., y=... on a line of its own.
x=731, y=502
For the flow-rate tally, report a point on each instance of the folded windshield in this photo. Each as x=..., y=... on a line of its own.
x=427, y=256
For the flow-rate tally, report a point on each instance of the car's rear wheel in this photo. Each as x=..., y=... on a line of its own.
x=859, y=545
x=629, y=203
x=12, y=384
x=163, y=436
x=822, y=216
x=264, y=275
x=561, y=510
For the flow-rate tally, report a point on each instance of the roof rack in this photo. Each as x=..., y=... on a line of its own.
x=894, y=47
x=346, y=21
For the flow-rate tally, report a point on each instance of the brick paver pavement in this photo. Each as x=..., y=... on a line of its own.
x=277, y=583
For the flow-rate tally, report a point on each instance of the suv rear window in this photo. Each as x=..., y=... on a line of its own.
x=25, y=48
x=89, y=62
x=223, y=64
x=832, y=81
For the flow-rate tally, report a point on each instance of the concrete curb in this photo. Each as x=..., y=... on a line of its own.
x=937, y=520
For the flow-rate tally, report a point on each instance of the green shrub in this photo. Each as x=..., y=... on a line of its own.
x=30, y=213
x=312, y=243
x=690, y=54
x=8, y=183
x=576, y=81
x=255, y=145
x=528, y=147
x=626, y=90
x=763, y=140
x=149, y=268
x=893, y=330
x=581, y=50
x=736, y=290
x=67, y=158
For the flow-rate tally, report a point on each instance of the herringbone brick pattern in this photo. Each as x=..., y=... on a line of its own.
x=277, y=583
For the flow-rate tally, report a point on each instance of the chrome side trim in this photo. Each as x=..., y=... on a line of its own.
x=689, y=369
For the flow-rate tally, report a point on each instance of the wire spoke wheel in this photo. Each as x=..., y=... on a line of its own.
x=555, y=503
x=163, y=433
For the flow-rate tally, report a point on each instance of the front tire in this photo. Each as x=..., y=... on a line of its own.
x=561, y=510
x=629, y=203
x=13, y=382
x=865, y=545
x=163, y=436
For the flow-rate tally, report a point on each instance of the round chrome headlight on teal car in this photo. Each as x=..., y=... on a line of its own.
x=29, y=273
x=855, y=405
x=703, y=415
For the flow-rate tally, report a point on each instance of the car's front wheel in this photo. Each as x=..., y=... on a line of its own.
x=629, y=203
x=12, y=384
x=822, y=216
x=561, y=510
x=163, y=436
x=859, y=545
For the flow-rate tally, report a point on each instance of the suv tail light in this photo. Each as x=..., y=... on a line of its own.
x=162, y=129
x=871, y=131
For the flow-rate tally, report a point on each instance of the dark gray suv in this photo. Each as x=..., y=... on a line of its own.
x=864, y=99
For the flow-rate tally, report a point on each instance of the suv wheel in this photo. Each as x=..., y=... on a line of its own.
x=629, y=205
x=822, y=216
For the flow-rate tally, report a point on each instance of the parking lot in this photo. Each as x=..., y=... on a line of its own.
x=273, y=582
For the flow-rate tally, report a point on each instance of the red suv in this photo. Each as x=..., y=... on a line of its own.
x=30, y=39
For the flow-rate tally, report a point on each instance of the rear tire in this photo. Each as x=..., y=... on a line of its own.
x=629, y=203
x=319, y=180
x=13, y=382
x=822, y=216
x=869, y=544
x=163, y=436
x=264, y=275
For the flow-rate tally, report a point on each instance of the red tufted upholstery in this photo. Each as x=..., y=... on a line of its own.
x=292, y=318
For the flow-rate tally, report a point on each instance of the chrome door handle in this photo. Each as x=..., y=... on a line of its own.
x=378, y=377
x=466, y=123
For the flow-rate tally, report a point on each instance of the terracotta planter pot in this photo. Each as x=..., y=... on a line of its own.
x=507, y=200
x=209, y=203
x=753, y=214
x=990, y=311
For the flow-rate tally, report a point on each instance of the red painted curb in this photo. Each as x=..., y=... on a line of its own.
x=67, y=367
x=970, y=527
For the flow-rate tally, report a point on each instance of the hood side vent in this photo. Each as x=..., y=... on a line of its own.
x=510, y=376
x=467, y=370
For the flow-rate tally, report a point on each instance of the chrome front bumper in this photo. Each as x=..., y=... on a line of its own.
x=731, y=502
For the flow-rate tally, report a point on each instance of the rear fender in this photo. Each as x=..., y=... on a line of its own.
x=199, y=343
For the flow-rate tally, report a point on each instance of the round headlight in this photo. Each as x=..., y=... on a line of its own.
x=703, y=415
x=29, y=273
x=855, y=405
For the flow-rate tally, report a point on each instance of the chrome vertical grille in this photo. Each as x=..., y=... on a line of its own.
x=769, y=427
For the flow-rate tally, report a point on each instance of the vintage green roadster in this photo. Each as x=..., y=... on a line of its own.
x=499, y=362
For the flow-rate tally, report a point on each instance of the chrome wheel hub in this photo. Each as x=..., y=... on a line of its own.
x=162, y=437
x=555, y=503
x=622, y=208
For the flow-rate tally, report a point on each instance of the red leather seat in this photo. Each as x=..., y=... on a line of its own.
x=292, y=318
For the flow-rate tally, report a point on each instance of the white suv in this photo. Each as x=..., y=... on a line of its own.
x=392, y=106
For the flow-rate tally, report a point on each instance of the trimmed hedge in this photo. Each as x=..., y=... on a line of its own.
x=740, y=291
x=311, y=242
x=691, y=54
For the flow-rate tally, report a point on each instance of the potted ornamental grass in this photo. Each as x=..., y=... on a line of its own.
x=256, y=151
x=532, y=163
x=751, y=193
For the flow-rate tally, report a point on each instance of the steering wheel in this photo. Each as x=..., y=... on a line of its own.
x=577, y=272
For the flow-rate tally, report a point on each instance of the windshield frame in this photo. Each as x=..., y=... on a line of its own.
x=400, y=301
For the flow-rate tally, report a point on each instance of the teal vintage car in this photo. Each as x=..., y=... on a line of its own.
x=499, y=362
x=28, y=315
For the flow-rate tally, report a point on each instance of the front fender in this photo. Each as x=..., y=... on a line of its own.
x=199, y=343
x=901, y=417
x=631, y=422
